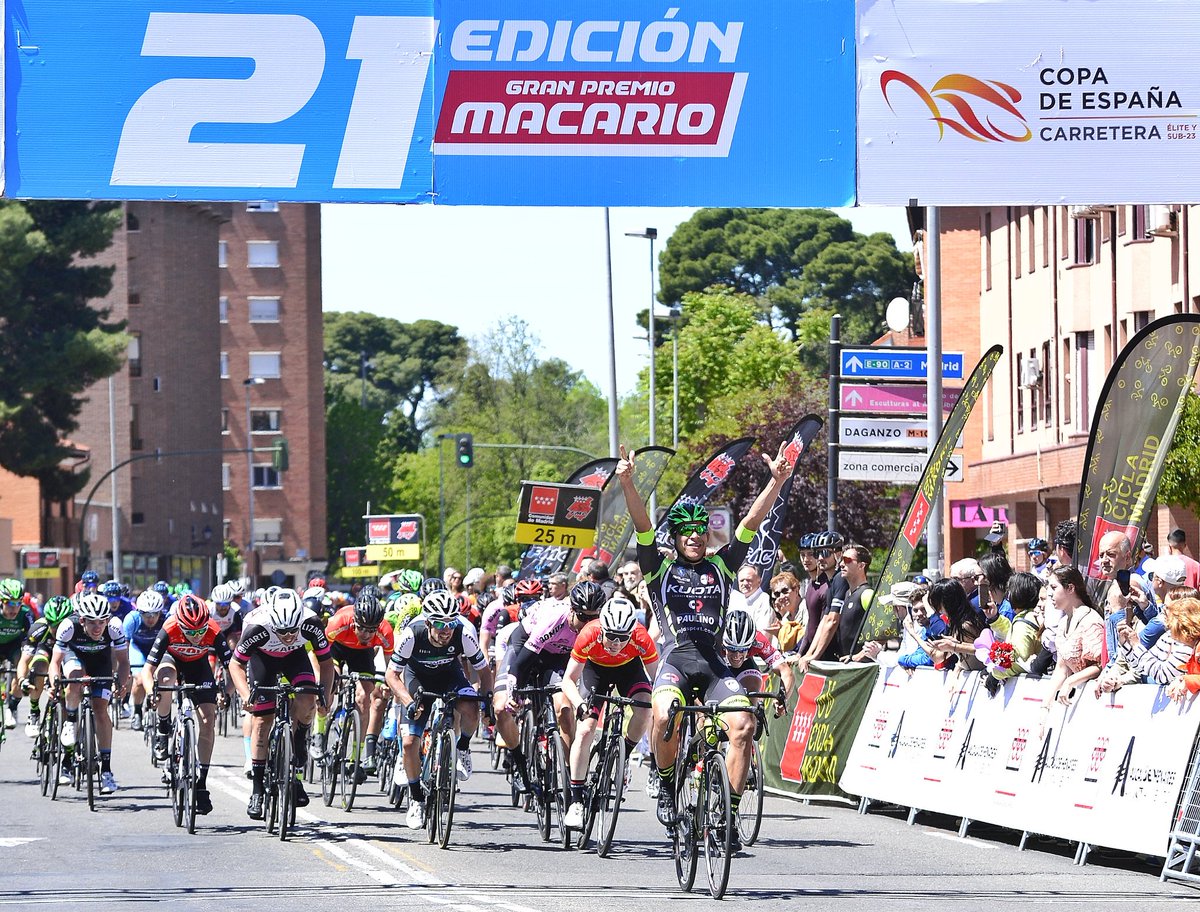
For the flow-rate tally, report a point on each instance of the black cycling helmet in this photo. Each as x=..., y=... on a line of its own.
x=368, y=610
x=431, y=584
x=808, y=541
x=369, y=589
x=587, y=598
x=829, y=540
x=684, y=514
x=1038, y=544
x=509, y=594
x=484, y=599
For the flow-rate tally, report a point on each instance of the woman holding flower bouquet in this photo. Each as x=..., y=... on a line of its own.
x=1011, y=658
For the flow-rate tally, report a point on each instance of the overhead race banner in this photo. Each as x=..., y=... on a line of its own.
x=1132, y=429
x=1026, y=102
x=765, y=547
x=880, y=622
x=522, y=102
x=705, y=482
x=542, y=560
x=1105, y=770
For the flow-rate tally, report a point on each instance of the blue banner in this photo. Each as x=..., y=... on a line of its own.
x=518, y=103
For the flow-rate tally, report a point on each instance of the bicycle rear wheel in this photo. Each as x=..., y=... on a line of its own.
x=349, y=754
x=87, y=724
x=59, y=752
x=750, y=811
x=447, y=785
x=49, y=749
x=611, y=791
x=187, y=774
x=717, y=825
x=331, y=766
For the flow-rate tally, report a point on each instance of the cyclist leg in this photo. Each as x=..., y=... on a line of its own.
x=101, y=666
x=205, y=700
x=412, y=732
x=261, y=671
x=165, y=675
x=725, y=690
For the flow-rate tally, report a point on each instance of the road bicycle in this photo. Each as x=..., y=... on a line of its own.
x=703, y=815
x=47, y=746
x=87, y=748
x=387, y=750
x=545, y=762
x=183, y=756
x=279, y=799
x=605, y=788
x=229, y=707
x=439, y=764
x=8, y=684
x=340, y=764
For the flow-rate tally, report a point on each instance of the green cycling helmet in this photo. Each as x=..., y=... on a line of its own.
x=57, y=610
x=405, y=608
x=11, y=590
x=683, y=514
x=409, y=580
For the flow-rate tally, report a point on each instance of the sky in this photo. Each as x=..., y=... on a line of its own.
x=472, y=266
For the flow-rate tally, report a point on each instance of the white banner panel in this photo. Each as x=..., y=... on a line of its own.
x=963, y=102
x=1106, y=771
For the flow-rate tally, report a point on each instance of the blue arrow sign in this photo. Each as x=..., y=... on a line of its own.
x=897, y=363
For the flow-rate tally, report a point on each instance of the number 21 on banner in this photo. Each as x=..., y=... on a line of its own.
x=288, y=53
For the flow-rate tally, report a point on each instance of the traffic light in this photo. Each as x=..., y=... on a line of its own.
x=464, y=448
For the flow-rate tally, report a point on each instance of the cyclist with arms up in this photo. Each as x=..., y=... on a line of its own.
x=689, y=595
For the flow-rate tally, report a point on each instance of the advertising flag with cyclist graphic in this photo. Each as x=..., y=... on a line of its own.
x=705, y=482
x=521, y=102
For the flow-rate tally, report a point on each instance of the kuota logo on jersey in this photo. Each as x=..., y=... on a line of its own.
x=581, y=508
x=717, y=471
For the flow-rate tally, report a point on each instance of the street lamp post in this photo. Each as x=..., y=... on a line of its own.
x=650, y=234
x=676, y=316
x=250, y=564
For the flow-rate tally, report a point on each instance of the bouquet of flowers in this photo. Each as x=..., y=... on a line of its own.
x=1000, y=656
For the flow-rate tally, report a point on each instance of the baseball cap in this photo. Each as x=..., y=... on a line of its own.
x=901, y=594
x=1169, y=568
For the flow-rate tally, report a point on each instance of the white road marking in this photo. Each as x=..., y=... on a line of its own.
x=11, y=842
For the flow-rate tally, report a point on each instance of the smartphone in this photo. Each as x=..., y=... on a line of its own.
x=1123, y=581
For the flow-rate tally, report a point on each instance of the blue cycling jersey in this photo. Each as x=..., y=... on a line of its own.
x=141, y=637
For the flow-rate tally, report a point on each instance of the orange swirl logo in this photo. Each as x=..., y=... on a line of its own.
x=960, y=92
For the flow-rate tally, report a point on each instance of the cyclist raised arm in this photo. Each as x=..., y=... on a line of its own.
x=689, y=595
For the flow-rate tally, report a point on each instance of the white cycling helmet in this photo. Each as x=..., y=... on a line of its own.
x=92, y=607
x=317, y=592
x=284, y=610
x=235, y=587
x=440, y=605
x=739, y=630
x=221, y=593
x=618, y=617
x=149, y=602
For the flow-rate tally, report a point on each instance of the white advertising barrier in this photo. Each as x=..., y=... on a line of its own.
x=1105, y=770
x=976, y=103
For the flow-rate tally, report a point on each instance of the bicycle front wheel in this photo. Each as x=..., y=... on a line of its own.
x=87, y=725
x=611, y=791
x=750, y=811
x=331, y=762
x=350, y=755
x=560, y=787
x=187, y=774
x=270, y=786
x=717, y=825
x=285, y=782
x=175, y=773
x=447, y=785
x=684, y=833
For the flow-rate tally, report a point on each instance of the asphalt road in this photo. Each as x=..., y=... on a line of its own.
x=129, y=855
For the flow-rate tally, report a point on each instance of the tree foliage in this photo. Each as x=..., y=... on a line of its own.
x=1180, y=482
x=799, y=265
x=357, y=471
x=408, y=366
x=54, y=343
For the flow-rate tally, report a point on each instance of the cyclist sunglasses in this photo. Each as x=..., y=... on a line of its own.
x=439, y=624
x=618, y=637
x=196, y=631
x=692, y=529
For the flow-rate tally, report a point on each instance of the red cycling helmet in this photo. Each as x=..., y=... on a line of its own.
x=529, y=589
x=192, y=612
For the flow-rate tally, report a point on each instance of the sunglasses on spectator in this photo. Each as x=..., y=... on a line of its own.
x=823, y=553
x=847, y=559
x=782, y=590
x=440, y=624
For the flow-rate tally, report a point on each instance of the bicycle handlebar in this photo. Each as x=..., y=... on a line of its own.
x=621, y=701
x=704, y=709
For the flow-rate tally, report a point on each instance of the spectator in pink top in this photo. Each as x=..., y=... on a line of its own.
x=1080, y=637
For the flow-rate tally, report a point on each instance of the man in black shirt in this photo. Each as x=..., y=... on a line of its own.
x=844, y=608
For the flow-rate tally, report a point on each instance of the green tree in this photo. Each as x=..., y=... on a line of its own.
x=799, y=265
x=54, y=343
x=408, y=365
x=1180, y=482
x=357, y=470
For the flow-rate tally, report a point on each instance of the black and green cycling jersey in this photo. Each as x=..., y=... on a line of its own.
x=14, y=629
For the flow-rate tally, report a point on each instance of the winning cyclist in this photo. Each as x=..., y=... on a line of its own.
x=613, y=651
x=428, y=658
x=354, y=633
x=91, y=644
x=272, y=646
x=181, y=651
x=690, y=594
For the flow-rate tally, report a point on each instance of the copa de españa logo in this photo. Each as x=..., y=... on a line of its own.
x=981, y=110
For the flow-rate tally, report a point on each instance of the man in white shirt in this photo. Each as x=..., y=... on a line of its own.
x=750, y=597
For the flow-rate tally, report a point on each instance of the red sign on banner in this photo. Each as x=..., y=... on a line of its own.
x=802, y=724
x=916, y=520
x=543, y=503
x=379, y=532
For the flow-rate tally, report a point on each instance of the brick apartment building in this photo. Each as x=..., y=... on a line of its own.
x=271, y=351
x=1062, y=289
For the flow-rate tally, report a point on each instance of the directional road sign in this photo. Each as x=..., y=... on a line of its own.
x=897, y=468
x=889, y=363
x=893, y=399
x=885, y=433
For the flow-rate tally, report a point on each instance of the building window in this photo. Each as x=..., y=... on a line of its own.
x=262, y=254
x=1046, y=235
x=1086, y=362
x=1020, y=396
x=137, y=518
x=262, y=206
x=1032, y=238
x=135, y=354
x=1141, y=319
x=135, y=298
x=135, y=428
x=226, y=477
x=1141, y=223
x=1085, y=241
x=224, y=421
x=223, y=308
x=265, y=476
x=266, y=365
x=268, y=531
x=986, y=243
x=223, y=254
x=1016, y=247
x=131, y=222
x=265, y=421
x=1045, y=390
x=264, y=310
x=1066, y=377
x=1064, y=236
x=224, y=365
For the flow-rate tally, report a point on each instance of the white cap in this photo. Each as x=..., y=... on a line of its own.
x=474, y=575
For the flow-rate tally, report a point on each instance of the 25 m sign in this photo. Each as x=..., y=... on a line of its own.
x=557, y=514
